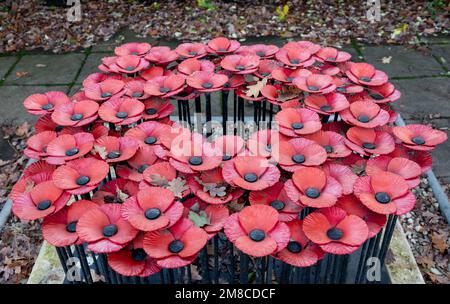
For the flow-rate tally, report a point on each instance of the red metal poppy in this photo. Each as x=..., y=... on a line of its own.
x=240, y=64
x=121, y=111
x=263, y=50
x=116, y=149
x=153, y=72
x=276, y=197
x=234, y=80
x=76, y=114
x=250, y=173
x=115, y=191
x=404, y=167
x=299, y=152
x=59, y=229
x=177, y=246
x=149, y=133
x=365, y=74
x=230, y=146
x=95, y=78
x=385, y=193
x=106, y=62
x=132, y=48
x=80, y=176
x=327, y=104
x=313, y=187
x=315, y=84
x=222, y=45
x=45, y=123
x=297, y=122
x=343, y=174
x=128, y=64
x=345, y=86
x=266, y=67
x=287, y=75
x=369, y=141
x=33, y=175
x=206, y=81
x=214, y=216
x=276, y=95
x=37, y=144
x=295, y=57
x=43, y=199
x=157, y=108
x=158, y=174
x=265, y=143
x=419, y=137
x=210, y=186
x=67, y=147
x=135, y=89
x=331, y=54
x=104, y=229
x=352, y=205
x=192, y=65
x=300, y=251
x=41, y=104
x=194, y=154
x=161, y=55
x=165, y=86
x=152, y=209
x=332, y=142
x=422, y=158
x=334, y=231
x=105, y=90
x=365, y=114
x=144, y=158
x=309, y=46
x=382, y=94
x=191, y=50
x=256, y=231
x=133, y=260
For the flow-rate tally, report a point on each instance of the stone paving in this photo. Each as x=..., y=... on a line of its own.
x=422, y=77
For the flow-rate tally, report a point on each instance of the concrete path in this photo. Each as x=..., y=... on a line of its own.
x=422, y=77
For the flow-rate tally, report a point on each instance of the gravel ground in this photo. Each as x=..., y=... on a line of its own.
x=428, y=234
x=19, y=241
x=28, y=24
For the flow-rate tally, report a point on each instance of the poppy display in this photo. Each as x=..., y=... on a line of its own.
x=323, y=169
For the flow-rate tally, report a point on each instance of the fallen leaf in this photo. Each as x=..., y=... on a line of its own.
x=386, y=60
x=177, y=186
x=255, y=89
x=21, y=74
x=158, y=180
x=439, y=242
x=100, y=151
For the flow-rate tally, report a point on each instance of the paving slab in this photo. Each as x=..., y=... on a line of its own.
x=404, y=62
x=46, y=69
x=121, y=38
x=5, y=64
x=442, y=53
x=440, y=39
x=12, y=98
x=90, y=66
x=423, y=97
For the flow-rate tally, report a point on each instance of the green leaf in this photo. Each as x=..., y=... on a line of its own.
x=199, y=219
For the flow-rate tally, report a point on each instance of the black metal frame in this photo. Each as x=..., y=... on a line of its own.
x=238, y=267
